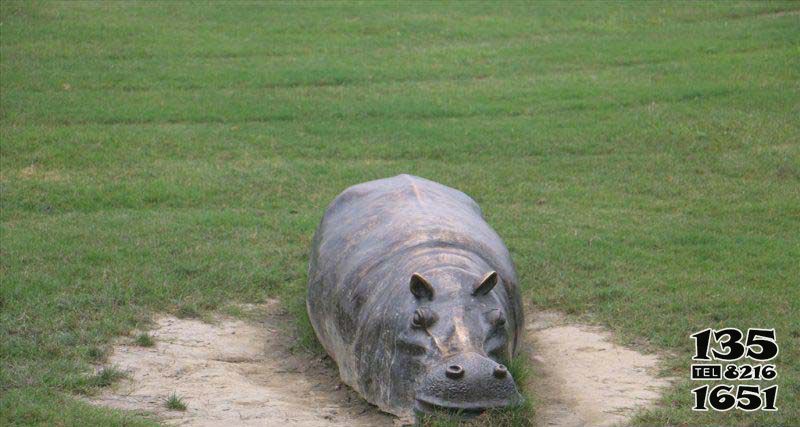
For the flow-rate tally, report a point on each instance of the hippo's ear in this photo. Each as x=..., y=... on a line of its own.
x=420, y=287
x=485, y=284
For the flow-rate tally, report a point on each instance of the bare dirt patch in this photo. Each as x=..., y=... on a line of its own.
x=582, y=378
x=234, y=373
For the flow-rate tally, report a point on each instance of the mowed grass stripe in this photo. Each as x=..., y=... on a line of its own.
x=534, y=53
x=271, y=31
x=269, y=106
x=422, y=64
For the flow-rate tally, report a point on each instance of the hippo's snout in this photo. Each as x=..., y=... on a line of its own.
x=467, y=383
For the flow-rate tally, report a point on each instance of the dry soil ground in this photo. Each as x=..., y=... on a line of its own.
x=582, y=378
x=237, y=372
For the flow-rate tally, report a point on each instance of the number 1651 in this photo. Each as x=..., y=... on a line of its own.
x=747, y=398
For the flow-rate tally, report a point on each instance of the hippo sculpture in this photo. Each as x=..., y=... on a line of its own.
x=415, y=298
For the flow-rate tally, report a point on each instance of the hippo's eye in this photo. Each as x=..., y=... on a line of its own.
x=423, y=318
x=417, y=321
x=496, y=318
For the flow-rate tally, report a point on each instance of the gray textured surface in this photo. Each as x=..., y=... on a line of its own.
x=372, y=239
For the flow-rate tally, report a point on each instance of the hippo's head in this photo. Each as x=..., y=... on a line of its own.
x=456, y=341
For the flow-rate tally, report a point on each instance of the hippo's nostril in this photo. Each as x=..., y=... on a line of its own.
x=454, y=372
x=500, y=371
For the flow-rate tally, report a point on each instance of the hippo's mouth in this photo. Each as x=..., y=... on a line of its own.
x=427, y=405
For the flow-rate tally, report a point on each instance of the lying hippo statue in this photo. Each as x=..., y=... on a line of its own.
x=415, y=297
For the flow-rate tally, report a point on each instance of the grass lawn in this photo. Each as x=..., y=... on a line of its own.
x=641, y=161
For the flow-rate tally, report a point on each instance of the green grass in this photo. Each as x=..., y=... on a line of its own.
x=641, y=161
x=106, y=376
x=145, y=340
x=175, y=402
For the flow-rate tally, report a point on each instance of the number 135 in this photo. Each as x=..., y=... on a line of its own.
x=759, y=345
